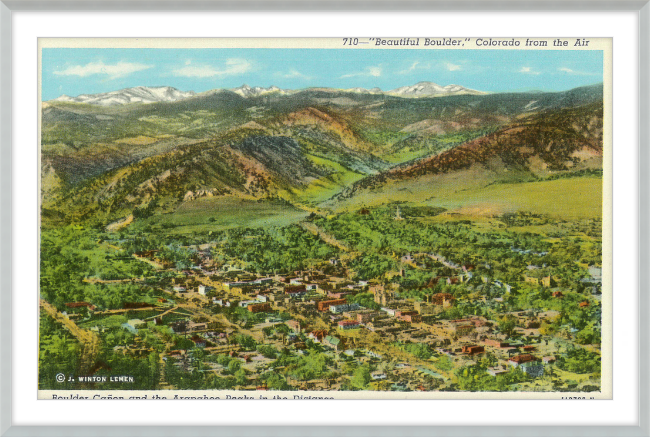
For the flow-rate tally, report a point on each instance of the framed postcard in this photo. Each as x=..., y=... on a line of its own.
x=375, y=235
x=367, y=220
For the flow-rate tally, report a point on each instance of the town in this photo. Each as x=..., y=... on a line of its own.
x=208, y=319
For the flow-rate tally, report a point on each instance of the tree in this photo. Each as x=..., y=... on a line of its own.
x=234, y=366
x=507, y=325
x=361, y=378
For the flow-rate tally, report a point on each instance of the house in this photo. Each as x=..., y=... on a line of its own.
x=518, y=360
x=324, y=305
x=317, y=336
x=557, y=294
x=333, y=342
x=584, y=304
x=259, y=307
x=179, y=288
x=341, y=308
x=473, y=349
x=348, y=324
x=378, y=376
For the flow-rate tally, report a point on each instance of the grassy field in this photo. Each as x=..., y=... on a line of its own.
x=215, y=213
x=324, y=188
x=574, y=198
x=571, y=198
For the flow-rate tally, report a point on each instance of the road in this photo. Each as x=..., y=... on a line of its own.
x=89, y=340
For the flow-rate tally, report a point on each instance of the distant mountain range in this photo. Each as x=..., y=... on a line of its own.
x=139, y=94
x=142, y=94
x=318, y=148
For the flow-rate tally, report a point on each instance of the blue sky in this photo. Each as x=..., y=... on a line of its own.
x=88, y=71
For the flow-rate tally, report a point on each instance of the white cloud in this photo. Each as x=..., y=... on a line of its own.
x=528, y=70
x=413, y=66
x=233, y=66
x=113, y=71
x=452, y=67
x=574, y=72
x=369, y=71
x=293, y=74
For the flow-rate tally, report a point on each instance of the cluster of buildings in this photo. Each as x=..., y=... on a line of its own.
x=330, y=298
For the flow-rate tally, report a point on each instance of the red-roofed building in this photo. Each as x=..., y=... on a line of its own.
x=518, y=360
x=317, y=336
x=473, y=349
x=324, y=305
x=348, y=324
x=264, y=307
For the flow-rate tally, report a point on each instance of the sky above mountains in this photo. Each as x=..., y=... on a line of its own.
x=89, y=71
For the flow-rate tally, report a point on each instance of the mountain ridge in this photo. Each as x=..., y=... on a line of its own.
x=144, y=94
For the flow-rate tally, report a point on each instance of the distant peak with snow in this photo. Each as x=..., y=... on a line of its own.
x=143, y=94
x=430, y=89
x=139, y=94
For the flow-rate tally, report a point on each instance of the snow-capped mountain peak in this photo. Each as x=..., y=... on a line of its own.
x=248, y=91
x=139, y=94
x=431, y=89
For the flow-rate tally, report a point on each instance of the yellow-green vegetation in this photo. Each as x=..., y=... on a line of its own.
x=574, y=198
x=323, y=188
x=217, y=213
x=570, y=198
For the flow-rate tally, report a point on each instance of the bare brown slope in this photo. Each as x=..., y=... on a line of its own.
x=539, y=145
